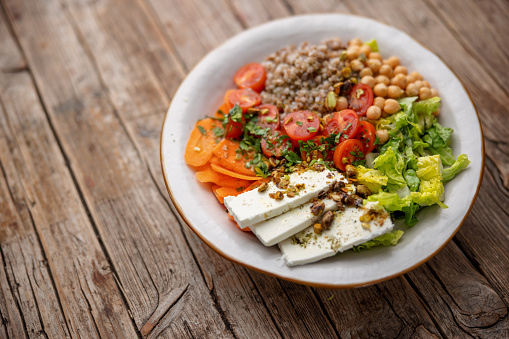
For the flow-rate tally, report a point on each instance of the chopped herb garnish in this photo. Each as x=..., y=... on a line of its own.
x=311, y=129
x=236, y=113
x=377, y=141
x=218, y=131
x=202, y=130
x=299, y=123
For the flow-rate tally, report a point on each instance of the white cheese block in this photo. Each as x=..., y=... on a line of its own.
x=345, y=232
x=277, y=229
x=252, y=207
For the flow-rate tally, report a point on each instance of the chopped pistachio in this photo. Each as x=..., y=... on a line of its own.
x=331, y=101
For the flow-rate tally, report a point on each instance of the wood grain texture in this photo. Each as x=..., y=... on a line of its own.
x=155, y=268
x=43, y=190
x=10, y=56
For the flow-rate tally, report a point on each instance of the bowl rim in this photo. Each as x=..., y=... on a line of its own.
x=304, y=282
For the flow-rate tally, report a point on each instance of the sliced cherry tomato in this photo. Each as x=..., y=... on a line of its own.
x=367, y=136
x=234, y=129
x=317, y=140
x=245, y=98
x=274, y=143
x=269, y=119
x=347, y=152
x=345, y=122
x=361, y=98
x=251, y=76
x=301, y=125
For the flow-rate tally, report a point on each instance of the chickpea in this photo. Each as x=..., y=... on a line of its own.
x=400, y=70
x=380, y=90
x=368, y=80
x=355, y=42
x=373, y=113
x=352, y=52
x=434, y=92
x=410, y=79
x=391, y=106
x=379, y=101
x=383, y=135
x=416, y=75
x=411, y=90
x=436, y=113
x=366, y=50
x=426, y=84
x=399, y=80
x=424, y=93
x=366, y=71
x=385, y=70
x=376, y=56
x=356, y=65
x=341, y=103
x=392, y=61
x=382, y=79
x=374, y=64
x=418, y=84
x=394, y=92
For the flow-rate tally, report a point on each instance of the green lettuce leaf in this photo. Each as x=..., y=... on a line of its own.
x=391, y=164
x=387, y=239
x=390, y=201
x=424, y=109
x=412, y=180
x=445, y=153
x=429, y=167
x=460, y=164
x=430, y=192
x=410, y=211
x=373, y=179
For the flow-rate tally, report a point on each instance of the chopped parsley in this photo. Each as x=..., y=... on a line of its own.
x=299, y=123
x=202, y=130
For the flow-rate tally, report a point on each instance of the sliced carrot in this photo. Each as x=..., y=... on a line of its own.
x=222, y=111
x=214, y=160
x=207, y=174
x=226, y=153
x=233, y=174
x=201, y=143
x=247, y=229
x=214, y=189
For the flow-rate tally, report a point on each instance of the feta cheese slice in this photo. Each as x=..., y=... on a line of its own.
x=277, y=229
x=252, y=207
x=345, y=232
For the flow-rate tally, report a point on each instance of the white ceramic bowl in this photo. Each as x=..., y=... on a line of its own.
x=202, y=92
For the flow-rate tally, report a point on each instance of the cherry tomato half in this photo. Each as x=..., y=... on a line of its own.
x=367, y=136
x=251, y=76
x=345, y=122
x=274, y=143
x=269, y=119
x=301, y=125
x=361, y=98
x=245, y=98
x=234, y=129
x=317, y=140
x=347, y=152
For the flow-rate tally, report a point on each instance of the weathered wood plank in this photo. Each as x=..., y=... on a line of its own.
x=195, y=27
x=155, y=268
x=44, y=192
x=252, y=13
x=10, y=56
x=482, y=28
x=459, y=298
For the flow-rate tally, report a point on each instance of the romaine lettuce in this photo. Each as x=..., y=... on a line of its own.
x=430, y=192
x=460, y=164
x=387, y=239
x=429, y=167
x=373, y=179
x=390, y=201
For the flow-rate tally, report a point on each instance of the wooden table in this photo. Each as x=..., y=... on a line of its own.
x=90, y=243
